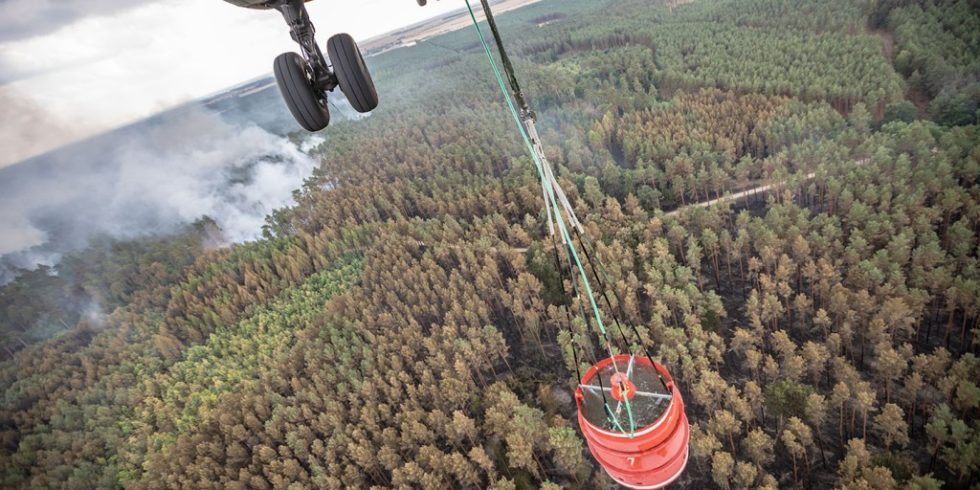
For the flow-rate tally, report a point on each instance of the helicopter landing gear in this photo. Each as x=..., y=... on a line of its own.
x=351, y=72
x=305, y=80
x=295, y=79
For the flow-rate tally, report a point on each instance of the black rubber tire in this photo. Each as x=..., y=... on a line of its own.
x=352, y=74
x=309, y=109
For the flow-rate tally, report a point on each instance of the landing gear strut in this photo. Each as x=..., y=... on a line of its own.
x=305, y=80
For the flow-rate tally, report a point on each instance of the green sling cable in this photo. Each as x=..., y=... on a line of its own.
x=551, y=192
x=539, y=166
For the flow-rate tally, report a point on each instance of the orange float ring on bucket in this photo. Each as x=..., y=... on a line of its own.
x=651, y=455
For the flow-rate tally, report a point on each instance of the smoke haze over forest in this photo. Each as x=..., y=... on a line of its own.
x=151, y=178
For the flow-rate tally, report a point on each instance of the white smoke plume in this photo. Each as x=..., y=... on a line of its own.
x=149, y=180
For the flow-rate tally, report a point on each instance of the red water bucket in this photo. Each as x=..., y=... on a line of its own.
x=655, y=454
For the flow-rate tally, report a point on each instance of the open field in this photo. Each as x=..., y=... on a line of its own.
x=433, y=27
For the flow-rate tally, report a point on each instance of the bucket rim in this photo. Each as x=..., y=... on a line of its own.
x=594, y=370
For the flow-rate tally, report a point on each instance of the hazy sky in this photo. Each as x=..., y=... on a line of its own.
x=73, y=68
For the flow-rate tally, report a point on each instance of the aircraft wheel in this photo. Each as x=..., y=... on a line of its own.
x=308, y=107
x=352, y=74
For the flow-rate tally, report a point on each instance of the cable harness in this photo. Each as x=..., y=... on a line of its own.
x=562, y=225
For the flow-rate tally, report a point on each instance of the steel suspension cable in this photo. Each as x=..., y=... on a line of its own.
x=566, y=236
x=610, y=415
x=550, y=195
x=515, y=85
x=571, y=329
x=619, y=301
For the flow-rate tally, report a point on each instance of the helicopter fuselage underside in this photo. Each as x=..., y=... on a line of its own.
x=257, y=4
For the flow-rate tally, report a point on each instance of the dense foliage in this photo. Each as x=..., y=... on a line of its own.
x=936, y=46
x=401, y=325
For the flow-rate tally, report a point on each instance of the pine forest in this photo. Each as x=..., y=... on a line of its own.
x=784, y=194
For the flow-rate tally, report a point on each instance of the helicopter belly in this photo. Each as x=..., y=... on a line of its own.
x=256, y=4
